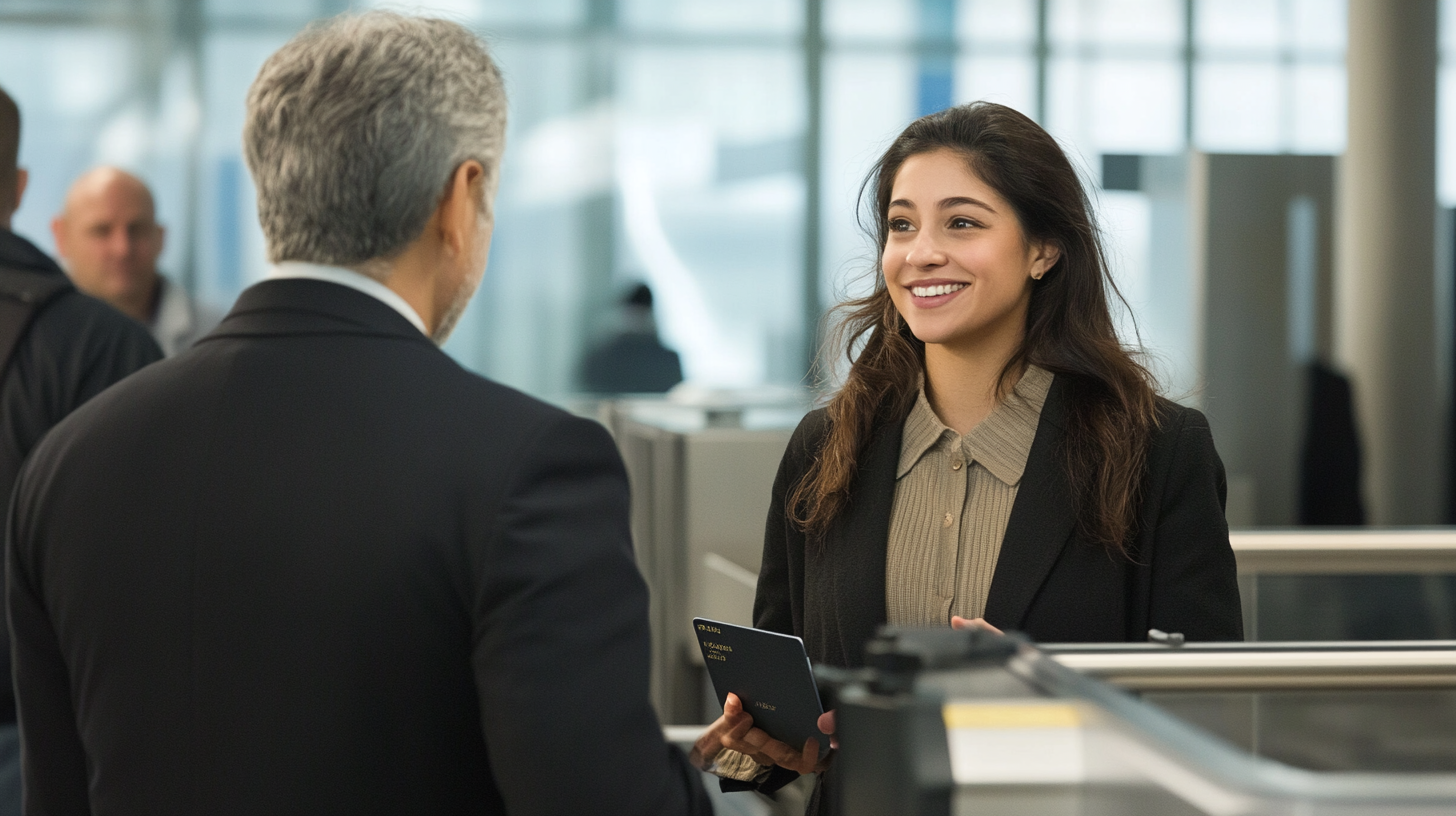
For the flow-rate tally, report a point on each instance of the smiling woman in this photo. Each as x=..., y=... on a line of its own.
x=996, y=456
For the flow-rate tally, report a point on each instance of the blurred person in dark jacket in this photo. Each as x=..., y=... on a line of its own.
x=58, y=349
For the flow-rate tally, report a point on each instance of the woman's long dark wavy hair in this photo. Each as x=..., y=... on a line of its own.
x=1112, y=409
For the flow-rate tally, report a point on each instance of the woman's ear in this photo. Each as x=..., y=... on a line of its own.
x=1044, y=256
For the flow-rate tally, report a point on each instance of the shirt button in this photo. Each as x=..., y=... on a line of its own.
x=947, y=521
x=957, y=465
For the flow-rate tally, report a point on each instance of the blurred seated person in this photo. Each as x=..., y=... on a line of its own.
x=632, y=361
x=109, y=240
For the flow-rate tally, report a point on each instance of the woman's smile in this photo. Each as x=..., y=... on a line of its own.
x=933, y=293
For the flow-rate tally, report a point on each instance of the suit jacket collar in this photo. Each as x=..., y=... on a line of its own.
x=1042, y=519
x=295, y=306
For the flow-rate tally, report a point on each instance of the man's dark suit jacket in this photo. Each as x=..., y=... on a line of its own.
x=315, y=566
x=1049, y=582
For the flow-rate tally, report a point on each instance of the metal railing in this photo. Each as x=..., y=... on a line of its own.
x=1345, y=552
x=1265, y=666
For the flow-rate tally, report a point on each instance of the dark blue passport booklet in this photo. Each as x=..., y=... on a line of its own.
x=770, y=673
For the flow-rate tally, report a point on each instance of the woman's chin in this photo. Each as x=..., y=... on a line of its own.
x=936, y=335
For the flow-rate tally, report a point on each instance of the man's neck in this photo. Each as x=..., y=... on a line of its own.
x=142, y=307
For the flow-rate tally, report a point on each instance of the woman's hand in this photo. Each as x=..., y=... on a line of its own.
x=735, y=730
x=958, y=622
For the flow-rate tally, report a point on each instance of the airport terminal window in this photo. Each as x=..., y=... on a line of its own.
x=1270, y=76
x=695, y=110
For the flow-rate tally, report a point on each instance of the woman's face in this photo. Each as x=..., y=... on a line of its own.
x=956, y=263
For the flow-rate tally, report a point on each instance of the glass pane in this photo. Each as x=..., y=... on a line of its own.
x=868, y=100
x=1010, y=81
x=1239, y=25
x=492, y=12
x=287, y=11
x=715, y=16
x=1319, y=103
x=1136, y=106
x=1237, y=107
x=1447, y=17
x=1126, y=220
x=1446, y=136
x=1319, y=25
x=711, y=196
x=77, y=105
x=1116, y=106
x=230, y=253
x=1135, y=22
x=981, y=22
x=1116, y=22
x=885, y=20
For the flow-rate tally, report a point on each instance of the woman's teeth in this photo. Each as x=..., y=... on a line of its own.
x=932, y=291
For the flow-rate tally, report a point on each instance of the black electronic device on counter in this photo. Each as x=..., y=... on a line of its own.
x=770, y=673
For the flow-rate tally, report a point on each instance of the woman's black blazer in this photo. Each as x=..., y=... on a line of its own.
x=1049, y=583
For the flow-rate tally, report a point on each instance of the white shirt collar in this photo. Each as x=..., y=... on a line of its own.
x=353, y=280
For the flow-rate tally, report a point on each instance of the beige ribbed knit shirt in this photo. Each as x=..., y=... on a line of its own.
x=953, y=497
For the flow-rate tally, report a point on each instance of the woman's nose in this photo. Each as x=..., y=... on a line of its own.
x=925, y=252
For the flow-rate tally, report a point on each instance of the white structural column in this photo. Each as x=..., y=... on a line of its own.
x=1385, y=303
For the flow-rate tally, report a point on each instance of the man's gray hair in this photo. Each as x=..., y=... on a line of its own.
x=355, y=127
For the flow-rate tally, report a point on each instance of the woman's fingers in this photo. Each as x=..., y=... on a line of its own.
x=826, y=722
x=760, y=744
x=827, y=726
x=958, y=622
x=809, y=758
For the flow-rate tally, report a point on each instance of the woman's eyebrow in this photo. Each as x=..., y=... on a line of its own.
x=962, y=201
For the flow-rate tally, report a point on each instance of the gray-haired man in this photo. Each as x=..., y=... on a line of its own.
x=312, y=565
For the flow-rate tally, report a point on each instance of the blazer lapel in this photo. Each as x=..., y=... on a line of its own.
x=859, y=551
x=1041, y=522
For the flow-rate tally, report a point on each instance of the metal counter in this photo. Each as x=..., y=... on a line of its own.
x=956, y=723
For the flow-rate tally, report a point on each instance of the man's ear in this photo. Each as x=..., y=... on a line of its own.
x=58, y=232
x=460, y=208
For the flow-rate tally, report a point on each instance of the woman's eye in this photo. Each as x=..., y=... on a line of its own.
x=899, y=225
x=962, y=223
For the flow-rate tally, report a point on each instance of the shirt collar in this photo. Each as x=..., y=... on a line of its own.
x=1001, y=443
x=923, y=429
x=353, y=280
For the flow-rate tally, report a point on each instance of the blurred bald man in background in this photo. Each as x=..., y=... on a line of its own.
x=109, y=241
